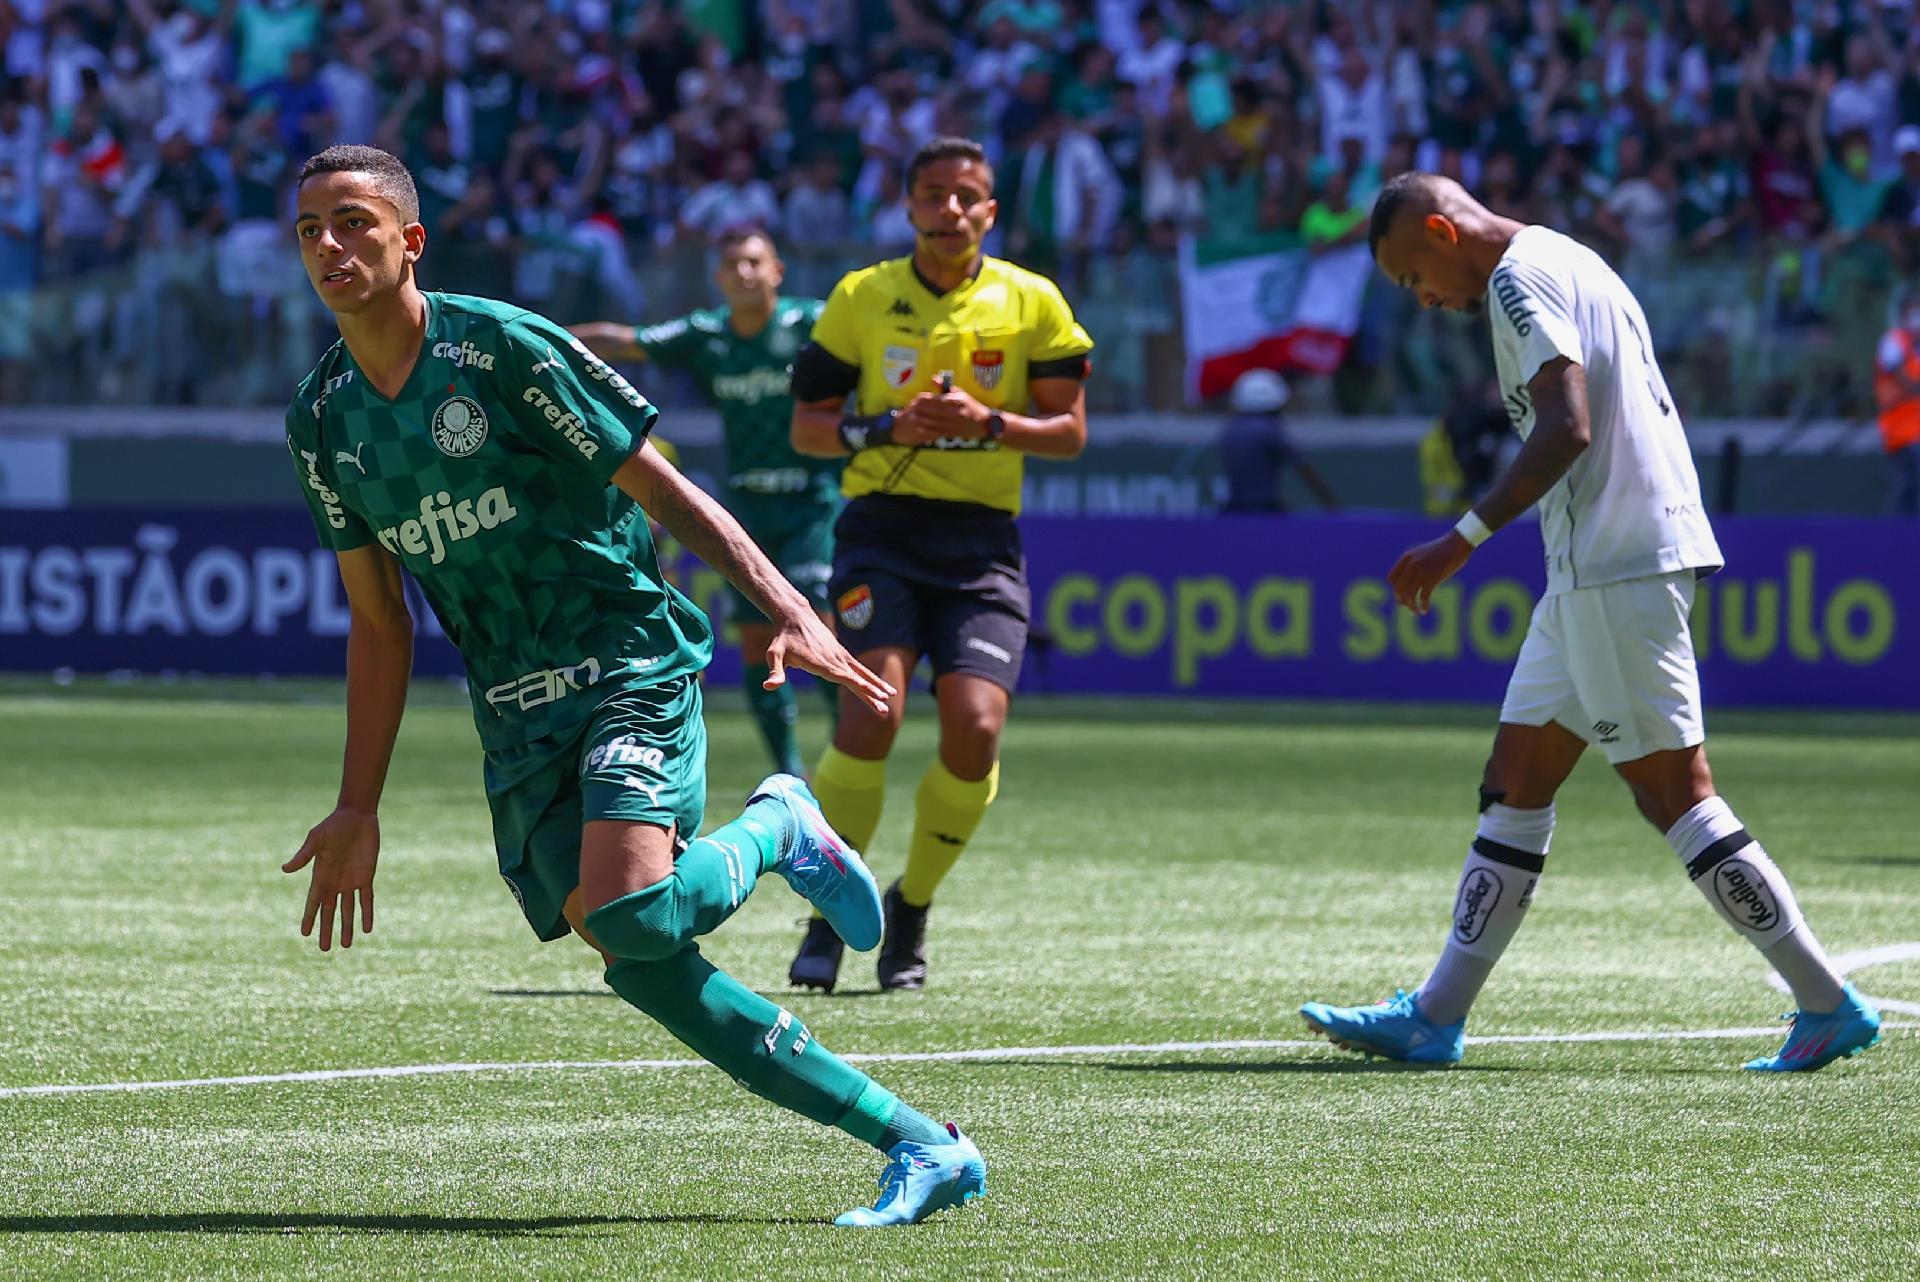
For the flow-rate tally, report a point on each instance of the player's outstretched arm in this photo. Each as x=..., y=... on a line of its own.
x=710, y=533
x=1561, y=433
x=610, y=340
x=344, y=848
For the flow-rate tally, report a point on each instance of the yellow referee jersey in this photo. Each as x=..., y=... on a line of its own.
x=989, y=333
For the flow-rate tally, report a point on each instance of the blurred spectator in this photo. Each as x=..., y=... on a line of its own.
x=191, y=49
x=19, y=227
x=1715, y=193
x=1896, y=387
x=1899, y=216
x=1255, y=451
x=80, y=180
x=1333, y=220
x=595, y=145
x=1640, y=216
x=271, y=33
x=300, y=105
x=1152, y=63
x=735, y=199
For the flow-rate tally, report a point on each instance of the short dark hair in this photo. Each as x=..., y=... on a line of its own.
x=742, y=234
x=1402, y=189
x=390, y=176
x=948, y=148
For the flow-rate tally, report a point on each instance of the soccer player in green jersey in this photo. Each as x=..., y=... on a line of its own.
x=742, y=355
x=485, y=451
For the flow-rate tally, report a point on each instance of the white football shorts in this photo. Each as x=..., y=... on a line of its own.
x=1615, y=665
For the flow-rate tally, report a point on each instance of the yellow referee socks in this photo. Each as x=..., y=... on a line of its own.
x=850, y=792
x=946, y=811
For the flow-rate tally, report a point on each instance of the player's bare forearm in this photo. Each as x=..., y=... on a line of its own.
x=815, y=431
x=379, y=666
x=709, y=531
x=609, y=340
x=1560, y=436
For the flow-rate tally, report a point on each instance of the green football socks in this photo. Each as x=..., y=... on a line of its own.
x=710, y=880
x=765, y=1048
x=776, y=713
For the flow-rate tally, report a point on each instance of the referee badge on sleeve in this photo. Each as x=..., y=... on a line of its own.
x=987, y=368
x=856, y=607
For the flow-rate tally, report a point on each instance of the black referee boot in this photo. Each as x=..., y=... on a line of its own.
x=817, y=964
x=903, y=952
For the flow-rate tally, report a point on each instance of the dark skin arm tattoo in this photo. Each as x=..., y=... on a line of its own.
x=1561, y=434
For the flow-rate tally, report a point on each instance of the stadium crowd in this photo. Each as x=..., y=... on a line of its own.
x=578, y=155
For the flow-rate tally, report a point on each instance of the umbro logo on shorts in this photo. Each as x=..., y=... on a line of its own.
x=1608, y=731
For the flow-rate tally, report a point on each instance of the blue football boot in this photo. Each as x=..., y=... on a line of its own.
x=1395, y=1029
x=822, y=869
x=920, y=1179
x=1815, y=1041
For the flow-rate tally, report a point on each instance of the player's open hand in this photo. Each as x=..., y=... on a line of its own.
x=343, y=849
x=936, y=416
x=1420, y=570
x=805, y=642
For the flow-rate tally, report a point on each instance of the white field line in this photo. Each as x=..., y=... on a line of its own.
x=877, y=1057
x=1847, y=963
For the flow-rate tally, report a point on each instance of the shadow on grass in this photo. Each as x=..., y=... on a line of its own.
x=1335, y=1066
x=1878, y=861
x=772, y=995
x=789, y=994
x=1354, y=1067
x=320, y=1222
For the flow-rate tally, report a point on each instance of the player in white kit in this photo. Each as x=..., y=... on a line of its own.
x=1608, y=658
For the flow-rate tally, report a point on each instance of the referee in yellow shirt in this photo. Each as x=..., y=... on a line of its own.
x=959, y=365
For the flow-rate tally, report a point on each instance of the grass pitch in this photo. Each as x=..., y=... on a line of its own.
x=1153, y=873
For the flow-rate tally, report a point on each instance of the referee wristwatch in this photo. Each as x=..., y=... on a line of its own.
x=996, y=425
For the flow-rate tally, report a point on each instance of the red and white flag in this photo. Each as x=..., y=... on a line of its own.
x=1284, y=309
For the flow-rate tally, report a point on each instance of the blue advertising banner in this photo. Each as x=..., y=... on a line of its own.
x=1808, y=612
x=1818, y=613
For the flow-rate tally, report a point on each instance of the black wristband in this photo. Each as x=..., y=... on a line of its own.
x=864, y=431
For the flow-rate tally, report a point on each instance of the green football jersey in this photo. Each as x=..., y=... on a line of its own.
x=749, y=381
x=490, y=477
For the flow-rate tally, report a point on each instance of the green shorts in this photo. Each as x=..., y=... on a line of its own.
x=641, y=757
x=796, y=533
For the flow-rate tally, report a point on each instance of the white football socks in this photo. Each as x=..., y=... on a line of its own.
x=1496, y=888
x=1750, y=892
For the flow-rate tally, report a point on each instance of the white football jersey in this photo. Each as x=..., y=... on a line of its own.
x=1629, y=507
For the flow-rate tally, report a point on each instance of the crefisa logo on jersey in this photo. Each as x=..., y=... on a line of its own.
x=459, y=426
x=988, y=367
x=464, y=355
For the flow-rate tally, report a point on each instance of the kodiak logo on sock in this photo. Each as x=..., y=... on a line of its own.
x=1745, y=894
x=1479, y=893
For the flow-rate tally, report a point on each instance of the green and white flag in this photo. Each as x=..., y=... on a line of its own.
x=1267, y=305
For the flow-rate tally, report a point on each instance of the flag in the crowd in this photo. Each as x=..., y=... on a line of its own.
x=1280, y=307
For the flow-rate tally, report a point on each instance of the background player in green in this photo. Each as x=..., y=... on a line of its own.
x=483, y=449
x=742, y=355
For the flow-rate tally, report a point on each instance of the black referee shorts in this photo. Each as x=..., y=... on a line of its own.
x=947, y=580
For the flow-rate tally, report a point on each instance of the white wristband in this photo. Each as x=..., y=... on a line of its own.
x=1471, y=528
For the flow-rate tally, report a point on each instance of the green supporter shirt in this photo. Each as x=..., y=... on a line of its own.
x=749, y=381
x=490, y=477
